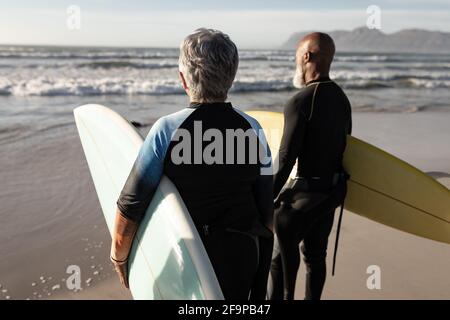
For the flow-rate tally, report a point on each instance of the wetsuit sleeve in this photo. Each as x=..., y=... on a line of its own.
x=291, y=142
x=263, y=193
x=263, y=186
x=145, y=174
x=349, y=108
x=350, y=126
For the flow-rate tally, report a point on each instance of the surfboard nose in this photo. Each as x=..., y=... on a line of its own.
x=89, y=109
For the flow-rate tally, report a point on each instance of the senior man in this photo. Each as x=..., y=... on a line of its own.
x=317, y=121
x=230, y=201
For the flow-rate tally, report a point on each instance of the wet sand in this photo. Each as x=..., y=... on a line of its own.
x=51, y=219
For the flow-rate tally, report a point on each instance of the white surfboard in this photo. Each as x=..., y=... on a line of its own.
x=168, y=259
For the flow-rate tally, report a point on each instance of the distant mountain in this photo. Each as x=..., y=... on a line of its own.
x=366, y=40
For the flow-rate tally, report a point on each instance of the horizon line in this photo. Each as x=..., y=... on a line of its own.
x=279, y=47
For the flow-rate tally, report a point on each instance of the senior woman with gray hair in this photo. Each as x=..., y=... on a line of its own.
x=227, y=190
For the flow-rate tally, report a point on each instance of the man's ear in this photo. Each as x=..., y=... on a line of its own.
x=307, y=57
x=183, y=81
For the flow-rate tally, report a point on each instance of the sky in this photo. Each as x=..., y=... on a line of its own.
x=250, y=23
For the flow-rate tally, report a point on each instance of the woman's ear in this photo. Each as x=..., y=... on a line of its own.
x=183, y=82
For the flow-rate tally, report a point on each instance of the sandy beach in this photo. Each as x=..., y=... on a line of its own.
x=51, y=219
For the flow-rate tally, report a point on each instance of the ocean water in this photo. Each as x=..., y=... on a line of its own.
x=39, y=86
x=58, y=71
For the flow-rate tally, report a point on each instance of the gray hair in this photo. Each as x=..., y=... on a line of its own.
x=209, y=62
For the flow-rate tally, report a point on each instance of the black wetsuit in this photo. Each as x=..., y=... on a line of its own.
x=229, y=199
x=317, y=121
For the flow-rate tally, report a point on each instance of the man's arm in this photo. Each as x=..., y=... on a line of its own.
x=350, y=125
x=291, y=142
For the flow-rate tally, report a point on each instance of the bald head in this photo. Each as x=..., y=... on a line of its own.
x=320, y=49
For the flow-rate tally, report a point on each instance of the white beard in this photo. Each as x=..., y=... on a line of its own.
x=298, y=81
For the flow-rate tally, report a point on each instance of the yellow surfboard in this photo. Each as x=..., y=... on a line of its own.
x=382, y=187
